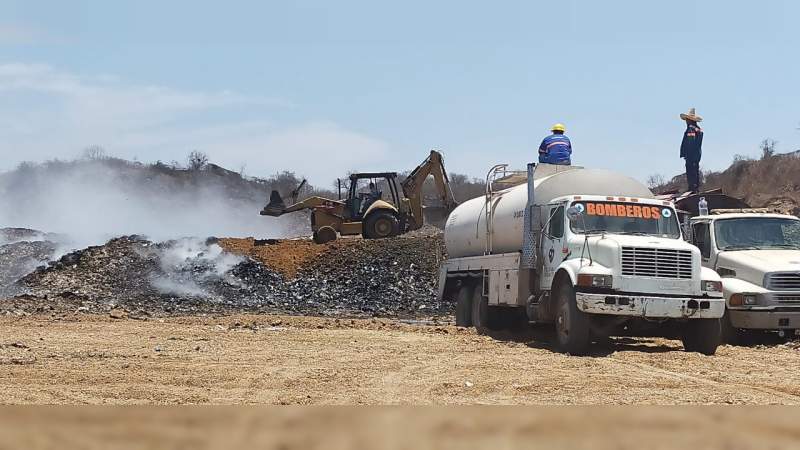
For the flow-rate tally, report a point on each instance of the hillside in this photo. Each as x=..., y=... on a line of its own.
x=94, y=199
x=772, y=181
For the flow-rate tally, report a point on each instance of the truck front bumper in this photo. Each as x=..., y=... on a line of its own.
x=651, y=307
x=764, y=320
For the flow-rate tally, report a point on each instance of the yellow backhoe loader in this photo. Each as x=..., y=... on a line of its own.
x=368, y=210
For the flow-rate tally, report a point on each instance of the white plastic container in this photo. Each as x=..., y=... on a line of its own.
x=702, y=206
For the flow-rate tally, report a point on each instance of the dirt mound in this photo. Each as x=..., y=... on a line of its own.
x=22, y=257
x=379, y=277
x=22, y=250
x=286, y=257
x=390, y=277
x=11, y=235
x=176, y=276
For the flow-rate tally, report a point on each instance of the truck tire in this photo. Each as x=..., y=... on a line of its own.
x=702, y=336
x=484, y=317
x=730, y=334
x=381, y=224
x=324, y=235
x=464, y=305
x=573, y=334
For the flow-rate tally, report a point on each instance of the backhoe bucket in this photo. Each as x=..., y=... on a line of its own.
x=275, y=207
x=436, y=215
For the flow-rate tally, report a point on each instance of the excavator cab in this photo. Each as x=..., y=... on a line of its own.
x=368, y=188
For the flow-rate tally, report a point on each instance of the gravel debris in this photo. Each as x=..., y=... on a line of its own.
x=133, y=277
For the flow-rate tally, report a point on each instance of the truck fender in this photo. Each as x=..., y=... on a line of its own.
x=380, y=204
x=732, y=286
x=707, y=274
x=568, y=268
x=575, y=266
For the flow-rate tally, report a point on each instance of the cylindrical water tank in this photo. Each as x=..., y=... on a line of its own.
x=465, y=233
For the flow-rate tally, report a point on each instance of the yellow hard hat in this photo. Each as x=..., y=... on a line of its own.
x=559, y=127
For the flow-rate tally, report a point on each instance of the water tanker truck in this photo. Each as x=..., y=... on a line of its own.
x=590, y=251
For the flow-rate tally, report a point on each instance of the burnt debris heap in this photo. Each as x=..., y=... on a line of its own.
x=353, y=277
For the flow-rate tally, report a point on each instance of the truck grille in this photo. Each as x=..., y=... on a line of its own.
x=783, y=281
x=656, y=262
x=788, y=299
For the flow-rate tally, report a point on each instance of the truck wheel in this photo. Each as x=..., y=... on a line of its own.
x=324, y=235
x=730, y=334
x=484, y=317
x=464, y=305
x=702, y=336
x=381, y=224
x=572, y=325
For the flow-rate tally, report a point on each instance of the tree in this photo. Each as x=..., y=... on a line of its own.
x=767, y=148
x=739, y=158
x=655, y=180
x=94, y=153
x=197, y=160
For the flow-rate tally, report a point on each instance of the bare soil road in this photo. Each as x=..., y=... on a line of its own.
x=258, y=359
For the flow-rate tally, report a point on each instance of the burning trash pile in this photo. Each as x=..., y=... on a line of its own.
x=392, y=277
x=22, y=251
x=387, y=277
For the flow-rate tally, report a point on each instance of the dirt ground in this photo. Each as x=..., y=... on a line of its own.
x=258, y=359
x=418, y=428
x=284, y=256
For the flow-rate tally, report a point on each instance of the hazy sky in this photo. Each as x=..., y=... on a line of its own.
x=322, y=87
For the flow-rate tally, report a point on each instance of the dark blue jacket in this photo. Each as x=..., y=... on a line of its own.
x=555, y=149
x=692, y=145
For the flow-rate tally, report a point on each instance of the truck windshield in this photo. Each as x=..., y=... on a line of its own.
x=755, y=233
x=625, y=218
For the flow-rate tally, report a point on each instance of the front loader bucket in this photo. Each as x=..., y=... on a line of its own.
x=275, y=207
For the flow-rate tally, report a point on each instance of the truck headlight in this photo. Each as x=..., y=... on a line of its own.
x=595, y=281
x=744, y=300
x=711, y=286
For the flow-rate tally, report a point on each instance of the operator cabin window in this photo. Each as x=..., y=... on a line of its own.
x=556, y=229
x=702, y=239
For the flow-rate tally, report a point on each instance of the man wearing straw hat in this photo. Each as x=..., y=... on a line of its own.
x=692, y=148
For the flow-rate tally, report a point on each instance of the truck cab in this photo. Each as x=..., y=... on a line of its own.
x=626, y=256
x=758, y=257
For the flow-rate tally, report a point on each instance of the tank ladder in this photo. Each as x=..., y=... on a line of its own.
x=496, y=173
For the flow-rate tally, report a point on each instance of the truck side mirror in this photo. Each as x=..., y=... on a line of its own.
x=573, y=213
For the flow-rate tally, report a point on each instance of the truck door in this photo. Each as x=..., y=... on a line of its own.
x=701, y=238
x=552, y=243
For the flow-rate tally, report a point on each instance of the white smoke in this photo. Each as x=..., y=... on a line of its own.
x=187, y=263
x=91, y=202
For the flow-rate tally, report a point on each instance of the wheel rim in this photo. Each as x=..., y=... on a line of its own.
x=383, y=227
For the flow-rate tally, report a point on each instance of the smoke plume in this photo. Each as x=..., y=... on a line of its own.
x=91, y=201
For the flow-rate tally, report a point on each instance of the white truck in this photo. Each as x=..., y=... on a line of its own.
x=758, y=257
x=588, y=250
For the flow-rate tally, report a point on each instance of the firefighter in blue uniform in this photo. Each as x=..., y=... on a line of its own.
x=692, y=149
x=556, y=148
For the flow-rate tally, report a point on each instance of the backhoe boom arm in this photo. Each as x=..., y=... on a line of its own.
x=412, y=186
